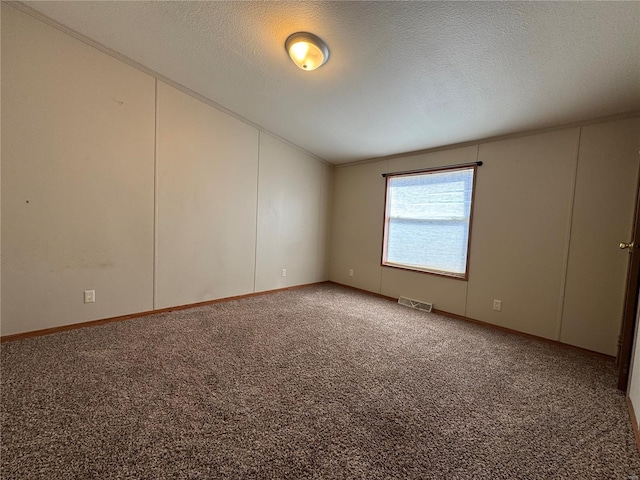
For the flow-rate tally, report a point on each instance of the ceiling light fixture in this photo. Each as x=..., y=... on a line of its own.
x=307, y=50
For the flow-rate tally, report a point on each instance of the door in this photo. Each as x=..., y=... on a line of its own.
x=631, y=299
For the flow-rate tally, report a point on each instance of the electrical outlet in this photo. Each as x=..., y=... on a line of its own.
x=89, y=296
x=351, y=272
x=284, y=272
x=497, y=305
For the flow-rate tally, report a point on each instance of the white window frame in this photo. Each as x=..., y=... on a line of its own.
x=418, y=268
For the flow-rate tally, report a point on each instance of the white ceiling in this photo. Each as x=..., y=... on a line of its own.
x=402, y=76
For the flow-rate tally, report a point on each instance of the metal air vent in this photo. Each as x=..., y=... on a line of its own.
x=417, y=304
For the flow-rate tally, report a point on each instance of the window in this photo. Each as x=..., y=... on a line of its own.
x=428, y=221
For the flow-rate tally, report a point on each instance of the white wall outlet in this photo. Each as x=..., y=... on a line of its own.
x=284, y=272
x=89, y=296
x=497, y=305
x=351, y=272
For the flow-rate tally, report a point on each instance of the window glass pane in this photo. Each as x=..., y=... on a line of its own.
x=428, y=219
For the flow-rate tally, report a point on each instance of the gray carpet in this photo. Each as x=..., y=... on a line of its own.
x=321, y=382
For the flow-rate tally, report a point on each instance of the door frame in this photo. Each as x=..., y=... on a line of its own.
x=627, y=330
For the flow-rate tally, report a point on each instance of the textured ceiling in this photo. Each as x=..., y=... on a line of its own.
x=402, y=76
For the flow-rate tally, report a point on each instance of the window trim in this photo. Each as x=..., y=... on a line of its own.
x=385, y=231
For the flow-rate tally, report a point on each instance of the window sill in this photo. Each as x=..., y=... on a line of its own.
x=464, y=277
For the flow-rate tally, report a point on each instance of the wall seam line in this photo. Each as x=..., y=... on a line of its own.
x=563, y=288
x=318, y=270
x=155, y=195
x=255, y=250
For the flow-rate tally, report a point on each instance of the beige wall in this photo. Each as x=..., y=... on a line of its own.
x=602, y=218
x=180, y=203
x=131, y=209
x=292, y=222
x=533, y=245
x=207, y=168
x=521, y=231
x=357, y=225
x=77, y=183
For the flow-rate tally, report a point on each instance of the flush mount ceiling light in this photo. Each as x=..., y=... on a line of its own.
x=306, y=50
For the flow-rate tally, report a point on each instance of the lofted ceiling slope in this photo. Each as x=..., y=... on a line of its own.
x=402, y=76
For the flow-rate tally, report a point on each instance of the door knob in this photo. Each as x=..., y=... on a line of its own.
x=627, y=245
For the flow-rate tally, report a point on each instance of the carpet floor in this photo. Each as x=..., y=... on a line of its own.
x=321, y=382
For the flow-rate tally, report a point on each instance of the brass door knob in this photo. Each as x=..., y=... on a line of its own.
x=626, y=245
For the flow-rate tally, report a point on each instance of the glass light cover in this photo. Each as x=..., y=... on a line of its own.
x=306, y=50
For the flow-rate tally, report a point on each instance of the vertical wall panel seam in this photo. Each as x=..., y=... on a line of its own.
x=255, y=251
x=332, y=227
x=565, y=272
x=155, y=196
x=318, y=271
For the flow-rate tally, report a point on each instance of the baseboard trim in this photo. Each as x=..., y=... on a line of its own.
x=104, y=321
x=490, y=325
x=634, y=422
